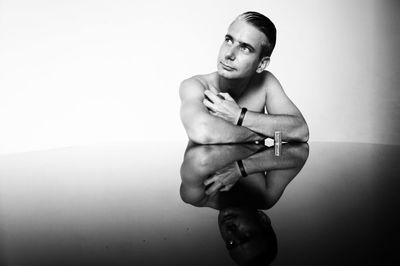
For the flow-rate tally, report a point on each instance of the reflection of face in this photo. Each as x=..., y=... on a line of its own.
x=239, y=54
x=238, y=226
x=247, y=234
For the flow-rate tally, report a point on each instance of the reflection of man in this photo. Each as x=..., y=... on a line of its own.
x=209, y=169
x=212, y=177
x=248, y=235
x=241, y=102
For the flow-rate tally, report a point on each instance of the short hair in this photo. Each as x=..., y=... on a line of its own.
x=262, y=252
x=265, y=25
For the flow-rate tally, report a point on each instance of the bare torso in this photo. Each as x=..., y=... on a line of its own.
x=253, y=97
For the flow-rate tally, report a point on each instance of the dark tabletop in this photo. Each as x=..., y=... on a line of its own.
x=147, y=204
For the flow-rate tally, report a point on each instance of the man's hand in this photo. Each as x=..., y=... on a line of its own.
x=224, y=179
x=222, y=105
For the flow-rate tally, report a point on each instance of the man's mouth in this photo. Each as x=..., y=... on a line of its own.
x=227, y=67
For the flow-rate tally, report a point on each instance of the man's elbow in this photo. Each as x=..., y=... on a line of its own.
x=303, y=133
x=200, y=134
x=299, y=132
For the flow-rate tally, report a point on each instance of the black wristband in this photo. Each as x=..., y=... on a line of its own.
x=241, y=117
x=241, y=168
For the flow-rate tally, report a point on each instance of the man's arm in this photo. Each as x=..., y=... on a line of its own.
x=282, y=115
x=285, y=167
x=204, y=128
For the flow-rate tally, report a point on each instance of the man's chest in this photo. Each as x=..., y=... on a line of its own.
x=253, y=99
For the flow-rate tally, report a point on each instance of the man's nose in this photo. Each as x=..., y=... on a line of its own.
x=230, y=53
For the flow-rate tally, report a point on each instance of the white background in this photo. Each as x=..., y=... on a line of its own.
x=88, y=71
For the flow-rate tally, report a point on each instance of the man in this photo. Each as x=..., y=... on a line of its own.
x=241, y=102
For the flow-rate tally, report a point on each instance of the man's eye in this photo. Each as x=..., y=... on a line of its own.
x=245, y=49
x=228, y=40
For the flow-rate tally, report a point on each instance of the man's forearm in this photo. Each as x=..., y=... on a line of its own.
x=204, y=128
x=207, y=159
x=292, y=128
x=292, y=156
x=216, y=130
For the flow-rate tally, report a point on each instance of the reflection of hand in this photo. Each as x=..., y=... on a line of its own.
x=222, y=105
x=224, y=179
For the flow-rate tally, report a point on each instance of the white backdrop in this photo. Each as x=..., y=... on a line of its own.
x=87, y=71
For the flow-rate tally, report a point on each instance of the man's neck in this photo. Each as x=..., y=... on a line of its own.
x=235, y=87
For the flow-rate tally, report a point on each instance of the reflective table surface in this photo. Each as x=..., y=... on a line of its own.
x=174, y=203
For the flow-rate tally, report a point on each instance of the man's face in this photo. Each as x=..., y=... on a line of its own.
x=244, y=233
x=239, y=225
x=239, y=55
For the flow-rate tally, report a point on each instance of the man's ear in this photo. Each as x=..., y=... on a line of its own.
x=264, y=62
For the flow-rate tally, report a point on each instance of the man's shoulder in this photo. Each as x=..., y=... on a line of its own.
x=195, y=81
x=194, y=87
x=266, y=76
x=199, y=81
x=267, y=80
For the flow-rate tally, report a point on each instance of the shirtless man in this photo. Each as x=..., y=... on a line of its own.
x=241, y=102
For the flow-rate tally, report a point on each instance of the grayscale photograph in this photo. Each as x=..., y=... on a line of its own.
x=199, y=133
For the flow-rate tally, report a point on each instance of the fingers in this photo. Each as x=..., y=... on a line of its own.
x=213, y=89
x=209, y=105
x=210, y=180
x=220, y=96
x=212, y=96
x=226, y=188
x=214, y=188
x=226, y=96
x=214, y=113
